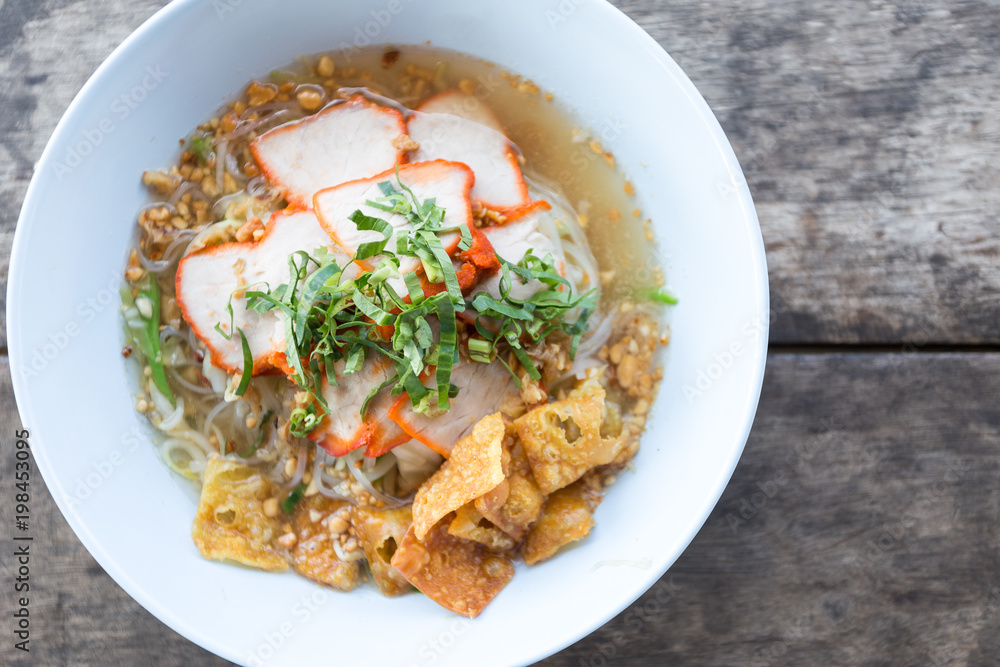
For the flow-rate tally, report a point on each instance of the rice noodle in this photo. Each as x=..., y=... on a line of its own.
x=186, y=335
x=174, y=419
x=213, y=413
x=248, y=126
x=176, y=247
x=185, y=188
x=379, y=467
x=219, y=436
x=190, y=386
x=356, y=455
x=268, y=398
x=153, y=266
x=170, y=254
x=220, y=206
x=581, y=266
x=168, y=331
x=415, y=462
x=319, y=470
x=192, y=437
x=233, y=167
x=300, y=466
x=215, y=375
x=160, y=402
x=257, y=186
x=171, y=445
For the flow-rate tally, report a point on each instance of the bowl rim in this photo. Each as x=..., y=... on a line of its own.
x=174, y=10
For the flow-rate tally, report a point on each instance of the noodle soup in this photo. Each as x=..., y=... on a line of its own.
x=395, y=308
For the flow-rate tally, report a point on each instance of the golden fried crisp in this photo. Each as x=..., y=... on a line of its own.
x=568, y=516
x=473, y=468
x=513, y=505
x=459, y=575
x=380, y=533
x=231, y=522
x=563, y=439
x=314, y=556
x=469, y=524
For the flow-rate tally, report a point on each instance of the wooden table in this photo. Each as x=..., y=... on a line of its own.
x=861, y=527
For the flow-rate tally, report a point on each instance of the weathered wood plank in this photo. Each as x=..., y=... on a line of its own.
x=48, y=50
x=866, y=130
x=864, y=127
x=861, y=527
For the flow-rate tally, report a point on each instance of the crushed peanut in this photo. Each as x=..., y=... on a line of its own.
x=310, y=99
x=271, y=508
x=261, y=93
x=325, y=67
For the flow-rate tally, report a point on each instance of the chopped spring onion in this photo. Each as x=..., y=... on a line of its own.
x=260, y=435
x=480, y=350
x=661, y=295
x=200, y=145
x=149, y=340
x=289, y=503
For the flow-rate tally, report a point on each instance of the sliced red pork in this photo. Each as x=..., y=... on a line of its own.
x=342, y=143
x=512, y=241
x=344, y=430
x=481, y=389
x=448, y=183
x=457, y=103
x=207, y=279
x=499, y=182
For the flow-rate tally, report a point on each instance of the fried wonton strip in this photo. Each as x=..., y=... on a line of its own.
x=380, y=533
x=459, y=575
x=563, y=439
x=230, y=523
x=469, y=524
x=568, y=516
x=473, y=469
x=344, y=142
x=515, y=504
x=314, y=556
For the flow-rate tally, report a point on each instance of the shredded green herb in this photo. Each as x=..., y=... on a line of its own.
x=247, y=365
x=332, y=322
x=289, y=503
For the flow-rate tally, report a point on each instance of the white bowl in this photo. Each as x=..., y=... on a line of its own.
x=134, y=516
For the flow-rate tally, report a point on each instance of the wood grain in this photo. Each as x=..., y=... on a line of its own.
x=868, y=135
x=861, y=528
